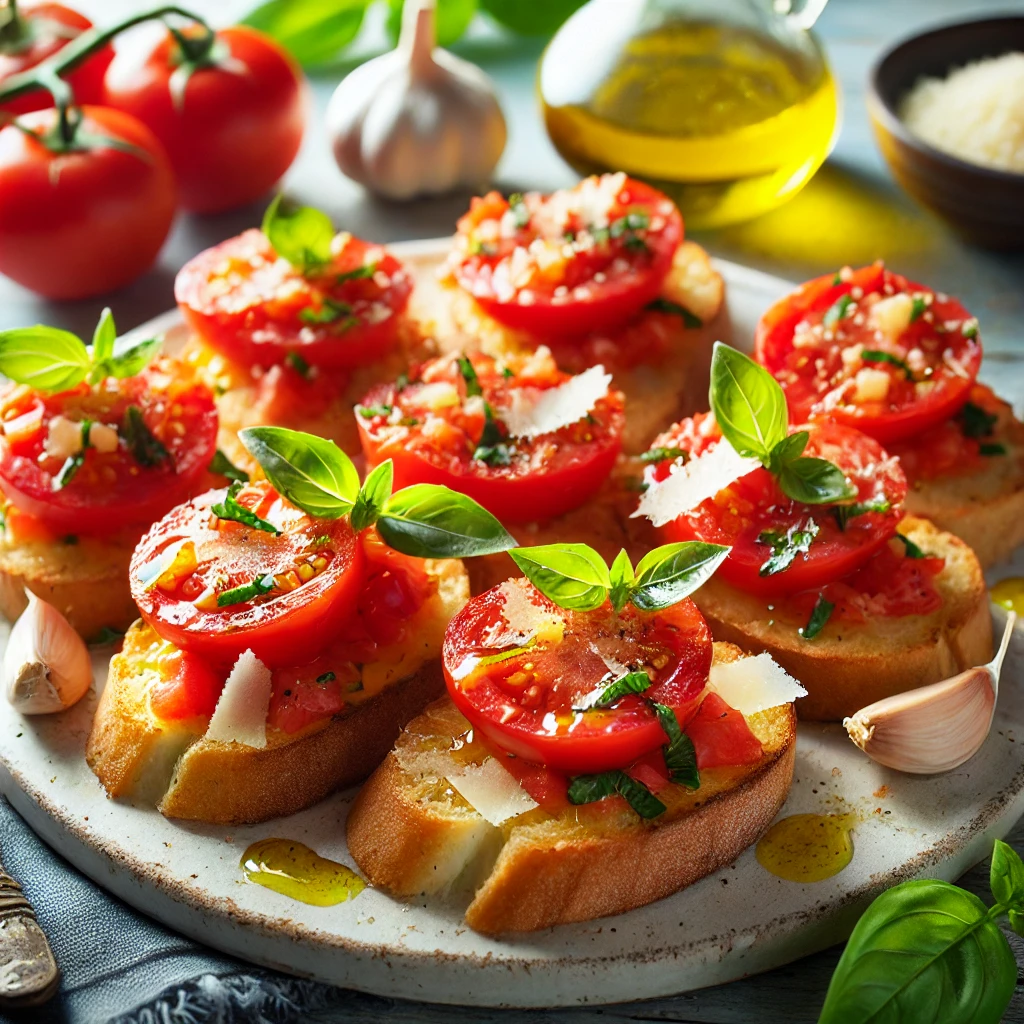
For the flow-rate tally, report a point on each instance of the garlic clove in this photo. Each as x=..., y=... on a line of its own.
x=46, y=666
x=934, y=728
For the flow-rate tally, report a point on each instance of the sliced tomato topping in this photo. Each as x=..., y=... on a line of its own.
x=578, y=260
x=215, y=587
x=873, y=350
x=147, y=443
x=309, y=693
x=190, y=688
x=435, y=431
x=721, y=736
x=528, y=697
x=549, y=788
x=260, y=310
x=752, y=515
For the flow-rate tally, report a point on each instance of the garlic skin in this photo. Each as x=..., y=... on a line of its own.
x=417, y=121
x=46, y=666
x=934, y=728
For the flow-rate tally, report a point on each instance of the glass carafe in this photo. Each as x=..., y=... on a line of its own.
x=728, y=106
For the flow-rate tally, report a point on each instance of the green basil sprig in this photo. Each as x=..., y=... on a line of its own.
x=302, y=235
x=576, y=577
x=425, y=520
x=750, y=408
x=231, y=509
x=586, y=789
x=786, y=546
x=50, y=359
x=927, y=949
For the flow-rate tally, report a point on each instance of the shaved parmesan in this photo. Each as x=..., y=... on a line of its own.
x=241, y=712
x=754, y=684
x=533, y=412
x=491, y=790
x=701, y=478
x=523, y=620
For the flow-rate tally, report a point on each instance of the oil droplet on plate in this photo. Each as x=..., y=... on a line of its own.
x=294, y=870
x=1009, y=594
x=807, y=847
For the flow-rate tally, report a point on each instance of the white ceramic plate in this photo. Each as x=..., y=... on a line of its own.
x=739, y=921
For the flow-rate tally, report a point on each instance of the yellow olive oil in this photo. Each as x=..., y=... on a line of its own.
x=807, y=847
x=727, y=121
x=1009, y=594
x=294, y=870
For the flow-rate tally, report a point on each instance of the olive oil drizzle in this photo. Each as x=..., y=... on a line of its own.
x=294, y=870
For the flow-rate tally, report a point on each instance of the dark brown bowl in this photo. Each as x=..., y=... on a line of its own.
x=986, y=206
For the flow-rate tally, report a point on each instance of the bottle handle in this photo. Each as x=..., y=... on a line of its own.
x=800, y=14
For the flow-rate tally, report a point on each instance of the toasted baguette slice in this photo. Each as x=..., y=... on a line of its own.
x=410, y=832
x=139, y=756
x=849, y=665
x=86, y=579
x=656, y=394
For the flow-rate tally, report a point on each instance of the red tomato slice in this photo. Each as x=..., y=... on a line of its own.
x=740, y=515
x=578, y=260
x=721, y=736
x=435, y=433
x=127, y=485
x=313, y=568
x=309, y=693
x=190, y=691
x=843, y=369
x=258, y=309
x=525, y=701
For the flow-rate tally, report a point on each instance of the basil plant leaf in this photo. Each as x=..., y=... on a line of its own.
x=1006, y=876
x=301, y=235
x=788, y=450
x=586, y=789
x=104, y=337
x=623, y=578
x=680, y=754
x=431, y=521
x=312, y=31
x=815, y=481
x=44, y=358
x=748, y=403
x=667, y=574
x=924, y=950
x=373, y=494
x=126, y=360
x=574, y=576
x=311, y=472
x=1017, y=922
x=223, y=466
x=528, y=17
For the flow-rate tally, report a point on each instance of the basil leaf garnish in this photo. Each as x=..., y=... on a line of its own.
x=586, y=789
x=786, y=546
x=669, y=573
x=912, y=550
x=917, y=308
x=359, y=274
x=104, y=336
x=127, y=361
x=631, y=682
x=223, y=466
x=298, y=364
x=326, y=313
x=623, y=578
x=844, y=513
x=675, y=309
x=680, y=755
x=492, y=449
x=44, y=358
x=469, y=376
x=373, y=495
x=819, y=616
x=246, y=592
x=430, y=521
x=574, y=576
x=837, y=311
x=301, y=235
x=520, y=211
x=870, y=355
x=230, y=509
x=147, y=449
x=815, y=481
x=311, y=472
x=748, y=403
x=73, y=463
x=991, y=449
x=664, y=454
x=1006, y=875
x=327, y=677
x=788, y=450
x=975, y=421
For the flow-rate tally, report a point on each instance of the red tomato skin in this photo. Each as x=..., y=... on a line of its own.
x=86, y=80
x=721, y=736
x=191, y=692
x=236, y=130
x=80, y=224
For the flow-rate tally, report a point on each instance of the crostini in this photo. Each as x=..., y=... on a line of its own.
x=610, y=732
x=292, y=323
x=824, y=571
x=96, y=444
x=290, y=626
x=899, y=361
x=599, y=274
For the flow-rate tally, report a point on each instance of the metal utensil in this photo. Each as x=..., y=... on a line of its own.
x=28, y=971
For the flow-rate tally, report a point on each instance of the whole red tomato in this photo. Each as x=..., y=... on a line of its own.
x=85, y=218
x=32, y=32
x=231, y=119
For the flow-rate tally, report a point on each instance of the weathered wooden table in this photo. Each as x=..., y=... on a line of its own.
x=851, y=212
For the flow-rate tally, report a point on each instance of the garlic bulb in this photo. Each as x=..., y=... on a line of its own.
x=47, y=666
x=934, y=728
x=416, y=121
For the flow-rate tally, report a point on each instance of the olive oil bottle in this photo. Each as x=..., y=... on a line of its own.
x=728, y=117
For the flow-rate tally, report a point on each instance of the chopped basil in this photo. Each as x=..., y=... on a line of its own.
x=844, y=513
x=662, y=454
x=586, y=789
x=837, y=311
x=366, y=270
x=144, y=445
x=912, y=550
x=837, y=279
x=819, y=616
x=327, y=677
x=520, y=212
x=871, y=355
x=680, y=756
x=369, y=411
x=635, y=221
x=328, y=313
x=356, y=686
x=298, y=364
x=223, y=466
x=918, y=308
x=506, y=372
x=631, y=682
x=970, y=328
x=492, y=450
x=975, y=421
x=992, y=449
x=246, y=592
x=469, y=376
x=478, y=248
x=786, y=546
x=675, y=309
x=230, y=509
x=73, y=463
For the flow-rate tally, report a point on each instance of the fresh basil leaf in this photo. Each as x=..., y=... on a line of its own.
x=327, y=313
x=871, y=355
x=923, y=951
x=680, y=755
x=789, y=449
x=975, y=421
x=622, y=577
x=301, y=235
x=327, y=677
x=586, y=789
x=495, y=454
x=360, y=273
x=664, y=454
x=639, y=797
x=970, y=328
x=844, y=513
x=368, y=412
x=1006, y=875
x=311, y=472
x=528, y=17
x=837, y=311
x=44, y=358
x=991, y=449
x=126, y=361
x=917, y=308
x=230, y=509
x=430, y=521
x=820, y=614
x=298, y=364
x=1017, y=921
x=815, y=481
x=574, y=576
x=674, y=309
x=671, y=572
x=469, y=376
x=913, y=551
x=786, y=546
x=520, y=211
x=631, y=682
x=373, y=495
x=147, y=449
x=73, y=463
x=493, y=449
x=104, y=337
x=246, y=592
x=312, y=31
x=747, y=402
x=223, y=466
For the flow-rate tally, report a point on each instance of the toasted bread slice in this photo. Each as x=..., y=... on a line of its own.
x=411, y=832
x=137, y=755
x=673, y=386
x=849, y=665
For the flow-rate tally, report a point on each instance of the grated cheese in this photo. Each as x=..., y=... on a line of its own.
x=534, y=412
x=241, y=712
x=754, y=684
